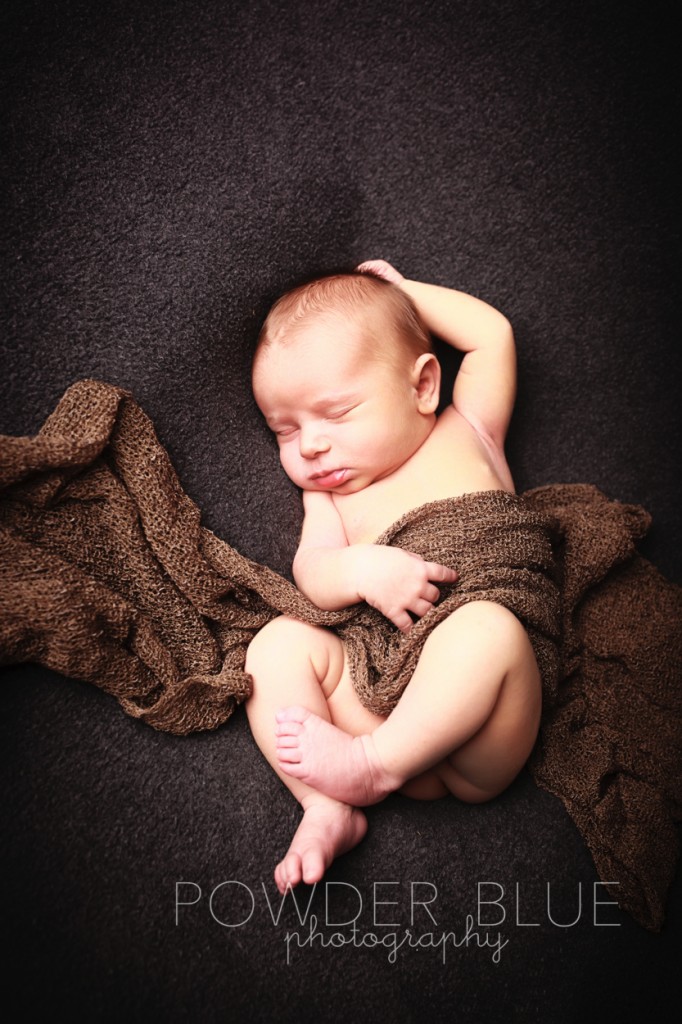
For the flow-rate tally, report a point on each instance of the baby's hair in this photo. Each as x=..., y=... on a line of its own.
x=364, y=299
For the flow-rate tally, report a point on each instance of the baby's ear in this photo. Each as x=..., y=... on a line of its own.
x=426, y=375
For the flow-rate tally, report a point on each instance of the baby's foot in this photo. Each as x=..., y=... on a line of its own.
x=344, y=767
x=327, y=830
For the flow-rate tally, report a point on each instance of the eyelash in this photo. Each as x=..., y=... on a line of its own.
x=340, y=414
x=289, y=431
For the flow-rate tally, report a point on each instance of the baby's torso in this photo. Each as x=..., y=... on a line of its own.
x=453, y=460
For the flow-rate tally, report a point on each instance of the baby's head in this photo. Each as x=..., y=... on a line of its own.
x=386, y=317
x=345, y=375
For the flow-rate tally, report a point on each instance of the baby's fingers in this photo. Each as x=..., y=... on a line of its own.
x=430, y=594
x=401, y=619
x=382, y=269
x=422, y=606
x=440, y=573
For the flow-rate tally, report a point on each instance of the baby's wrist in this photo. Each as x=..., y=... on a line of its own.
x=360, y=575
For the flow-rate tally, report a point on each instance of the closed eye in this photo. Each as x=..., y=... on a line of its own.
x=338, y=414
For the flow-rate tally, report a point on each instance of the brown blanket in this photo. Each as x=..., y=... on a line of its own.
x=502, y=550
x=108, y=576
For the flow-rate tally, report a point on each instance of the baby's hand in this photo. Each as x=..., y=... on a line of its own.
x=381, y=269
x=397, y=582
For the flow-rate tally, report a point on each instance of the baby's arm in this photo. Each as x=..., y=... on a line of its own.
x=485, y=387
x=334, y=574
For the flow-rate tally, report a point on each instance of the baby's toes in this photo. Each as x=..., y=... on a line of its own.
x=288, y=729
x=295, y=713
x=286, y=742
x=288, y=750
x=288, y=872
x=288, y=747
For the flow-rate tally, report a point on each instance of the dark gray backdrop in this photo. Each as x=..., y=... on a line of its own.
x=170, y=167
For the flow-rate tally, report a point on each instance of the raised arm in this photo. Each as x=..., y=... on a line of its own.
x=334, y=574
x=485, y=387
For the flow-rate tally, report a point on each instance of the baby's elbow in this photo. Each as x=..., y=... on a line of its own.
x=298, y=571
x=306, y=574
x=505, y=333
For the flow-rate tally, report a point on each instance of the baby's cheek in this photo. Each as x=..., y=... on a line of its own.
x=291, y=466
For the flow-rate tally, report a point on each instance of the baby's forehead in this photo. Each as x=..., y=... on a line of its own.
x=286, y=382
x=326, y=336
x=337, y=358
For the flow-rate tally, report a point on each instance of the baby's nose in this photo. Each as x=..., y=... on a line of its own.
x=312, y=441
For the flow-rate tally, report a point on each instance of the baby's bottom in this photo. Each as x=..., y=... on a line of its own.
x=465, y=724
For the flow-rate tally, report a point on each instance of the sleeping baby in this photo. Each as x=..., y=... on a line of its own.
x=346, y=377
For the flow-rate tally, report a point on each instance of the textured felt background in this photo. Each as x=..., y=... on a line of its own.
x=170, y=167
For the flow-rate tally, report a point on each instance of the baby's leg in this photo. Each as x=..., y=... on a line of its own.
x=290, y=660
x=471, y=710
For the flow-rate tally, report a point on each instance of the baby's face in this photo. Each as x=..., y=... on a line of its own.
x=343, y=419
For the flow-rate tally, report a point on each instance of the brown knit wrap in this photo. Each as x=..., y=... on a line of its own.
x=108, y=576
x=502, y=551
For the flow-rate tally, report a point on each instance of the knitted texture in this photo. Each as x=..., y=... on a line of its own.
x=109, y=577
x=502, y=551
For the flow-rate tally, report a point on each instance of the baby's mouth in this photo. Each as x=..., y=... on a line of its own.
x=330, y=479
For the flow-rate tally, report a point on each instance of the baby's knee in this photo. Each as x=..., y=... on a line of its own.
x=495, y=623
x=275, y=639
x=285, y=645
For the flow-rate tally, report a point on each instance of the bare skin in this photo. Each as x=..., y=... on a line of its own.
x=328, y=748
x=327, y=758
x=314, y=666
x=361, y=438
x=480, y=727
x=325, y=832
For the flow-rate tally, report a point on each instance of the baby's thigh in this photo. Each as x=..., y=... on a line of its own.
x=497, y=750
x=480, y=640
